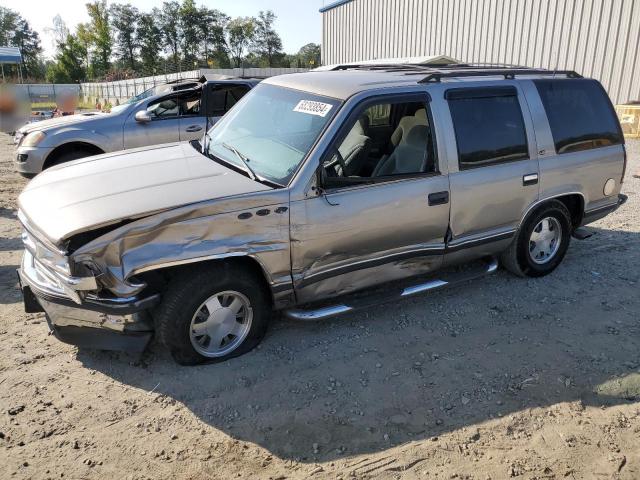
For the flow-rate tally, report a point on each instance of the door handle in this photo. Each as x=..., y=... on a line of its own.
x=438, y=198
x=530, y=179
x=193, y=128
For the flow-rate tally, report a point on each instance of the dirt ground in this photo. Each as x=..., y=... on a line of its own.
x=498, y=378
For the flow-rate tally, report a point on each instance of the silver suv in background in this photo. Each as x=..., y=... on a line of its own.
x=171, y=116
x=318, y=194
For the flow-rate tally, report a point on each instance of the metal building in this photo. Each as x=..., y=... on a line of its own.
x=597, y=38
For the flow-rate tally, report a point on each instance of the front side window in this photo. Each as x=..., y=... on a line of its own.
x=488, y=125
x=407, y=148
x=167, y=107
x=580, y=114
x=273, y=129
x=190, y=104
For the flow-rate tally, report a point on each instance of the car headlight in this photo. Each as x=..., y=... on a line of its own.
x=32, y=139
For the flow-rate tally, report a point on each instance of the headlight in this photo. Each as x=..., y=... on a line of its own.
x=32, y=139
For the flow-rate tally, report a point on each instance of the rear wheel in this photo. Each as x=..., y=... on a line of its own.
x=212, y=314
x=541, y=242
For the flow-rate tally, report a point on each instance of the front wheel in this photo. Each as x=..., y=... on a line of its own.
x=212, y=314
x=541, y=243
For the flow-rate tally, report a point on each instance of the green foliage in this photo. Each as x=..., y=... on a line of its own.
x=120, y=41
x=149, y=39
x=68, y=67
x=124, y=19
x=309, y=55
x=170, y=28
x=100, y=36
x=241, y=32
x=266, y=42
x=15, y=31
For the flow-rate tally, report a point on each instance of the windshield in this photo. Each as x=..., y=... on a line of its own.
x=146, y=94
x=271, y=130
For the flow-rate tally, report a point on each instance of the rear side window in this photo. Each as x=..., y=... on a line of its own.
x=488, y=125
x=580, y=114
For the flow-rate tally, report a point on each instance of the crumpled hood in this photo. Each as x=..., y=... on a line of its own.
x=105, y=189
x=61, y=121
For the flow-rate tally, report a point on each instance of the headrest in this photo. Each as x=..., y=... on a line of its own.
x=421, y=114
x=417, y=136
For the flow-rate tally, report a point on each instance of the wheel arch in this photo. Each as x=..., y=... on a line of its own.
x=164, y=272
x=573, y=201
x=60, y=150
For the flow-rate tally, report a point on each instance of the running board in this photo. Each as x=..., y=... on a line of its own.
x=328, y=311
x=582, y=233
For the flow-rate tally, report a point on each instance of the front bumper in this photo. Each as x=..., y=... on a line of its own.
x=30, y=160
x=104, y=323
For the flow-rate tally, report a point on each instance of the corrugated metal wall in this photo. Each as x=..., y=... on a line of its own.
x=597, y=38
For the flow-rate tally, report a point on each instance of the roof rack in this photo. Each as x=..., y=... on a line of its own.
x=437, y=72
x=507, y=73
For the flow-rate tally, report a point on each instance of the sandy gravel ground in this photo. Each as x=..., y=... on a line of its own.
x=499, y=378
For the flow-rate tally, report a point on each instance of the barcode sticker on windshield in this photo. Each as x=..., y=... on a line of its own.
x=313, y=108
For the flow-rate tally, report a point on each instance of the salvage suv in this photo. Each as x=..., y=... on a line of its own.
x=167, y=113
x=317, y=194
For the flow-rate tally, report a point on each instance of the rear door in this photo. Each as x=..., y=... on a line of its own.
x=494, y=168
x=164, y=126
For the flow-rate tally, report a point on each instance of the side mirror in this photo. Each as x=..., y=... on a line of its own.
x=142, y=117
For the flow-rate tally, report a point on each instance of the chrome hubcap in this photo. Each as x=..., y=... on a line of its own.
x=221, y=324
x=545, y=240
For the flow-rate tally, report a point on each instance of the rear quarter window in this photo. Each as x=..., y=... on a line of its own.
x=580, y=114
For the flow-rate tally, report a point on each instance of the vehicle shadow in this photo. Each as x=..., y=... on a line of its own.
x=420, y=367
x=9, y=291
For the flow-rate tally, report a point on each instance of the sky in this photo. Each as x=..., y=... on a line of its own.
x=298, y=23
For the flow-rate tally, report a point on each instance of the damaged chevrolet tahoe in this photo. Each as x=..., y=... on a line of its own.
x=317, y=194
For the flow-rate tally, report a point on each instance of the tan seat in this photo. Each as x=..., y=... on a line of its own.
x=409, y=157
x=406, y=124
x=355, y=148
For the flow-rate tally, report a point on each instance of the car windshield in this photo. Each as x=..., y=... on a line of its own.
x=136, y=98
x=270, y=131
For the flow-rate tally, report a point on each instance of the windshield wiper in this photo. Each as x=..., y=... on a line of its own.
x=243, y=158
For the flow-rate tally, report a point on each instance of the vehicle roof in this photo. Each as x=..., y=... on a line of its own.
x=251, y=81
x=346, y=80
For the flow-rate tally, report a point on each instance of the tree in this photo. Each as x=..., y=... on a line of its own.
x=68, y=67
x=84, y=37
x=241, y=32
x=170, y=28
x=189, y=19
x=100, y=36
x=266, y=42
x=149, y=38
x=124, y=19
x=211, y=25
x=15, y=31
x=309, y=55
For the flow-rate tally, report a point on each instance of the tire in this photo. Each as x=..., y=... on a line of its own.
x=183, y=314
x=69, y=156
x=527, y=258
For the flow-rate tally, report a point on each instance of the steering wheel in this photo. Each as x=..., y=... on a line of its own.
x=338, y=161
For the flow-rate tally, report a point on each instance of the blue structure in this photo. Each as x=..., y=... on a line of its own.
x=10, y=56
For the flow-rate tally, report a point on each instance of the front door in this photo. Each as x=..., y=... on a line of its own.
x=164, y=126
x=371, y=227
